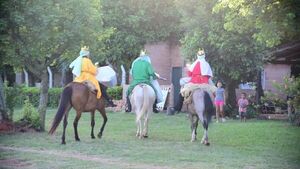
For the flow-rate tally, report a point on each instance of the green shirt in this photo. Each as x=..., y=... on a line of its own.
x=142, y=72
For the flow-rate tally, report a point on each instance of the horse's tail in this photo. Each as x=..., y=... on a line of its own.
x=64, y=102
x=209, y=109
x=145, y=102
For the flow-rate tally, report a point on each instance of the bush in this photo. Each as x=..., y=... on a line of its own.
x=291, y=87
x=115, y=92
x=30, y=115
x=33, y=94
x=10, y=98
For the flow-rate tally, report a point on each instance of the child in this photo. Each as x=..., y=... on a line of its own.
x=220, y=101
x=243, y=103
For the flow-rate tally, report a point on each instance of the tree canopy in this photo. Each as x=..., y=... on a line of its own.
x=136, y=22
x=38, y=33
x=236, y=34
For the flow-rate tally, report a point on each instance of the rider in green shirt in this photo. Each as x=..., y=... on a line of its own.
x=142, y=72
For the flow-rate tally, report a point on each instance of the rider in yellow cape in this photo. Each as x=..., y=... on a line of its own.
x=84, y=69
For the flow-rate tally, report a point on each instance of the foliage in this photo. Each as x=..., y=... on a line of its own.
x=39, y=33
x=236, y=35
x=115, y=92
x=252, y=111
x=268, y=22
x=30, y=115
x=11, y=94
x=272, y=99
x=135, y=23
x=291, y=87
x=17, y=95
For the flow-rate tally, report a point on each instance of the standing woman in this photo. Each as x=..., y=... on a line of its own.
x=220, y=102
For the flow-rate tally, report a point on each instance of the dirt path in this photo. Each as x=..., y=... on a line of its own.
x=117, y=162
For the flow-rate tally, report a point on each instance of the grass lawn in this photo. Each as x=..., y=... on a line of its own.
x=254, y=144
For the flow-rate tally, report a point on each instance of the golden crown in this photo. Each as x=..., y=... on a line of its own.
x=200, y=51
x=143, y=52
x=85, y=48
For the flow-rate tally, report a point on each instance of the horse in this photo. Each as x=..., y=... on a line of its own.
x=82, y=99
x=201, y=108
x=142, y=100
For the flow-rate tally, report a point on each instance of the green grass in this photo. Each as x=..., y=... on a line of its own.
x=254, y=144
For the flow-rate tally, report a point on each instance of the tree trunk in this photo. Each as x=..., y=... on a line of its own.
x=259, y=89
x=43, y=98
x=3, y=109
x=231, y=97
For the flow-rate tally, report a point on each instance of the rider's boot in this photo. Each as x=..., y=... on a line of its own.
x=155, y=110
x=128, y=105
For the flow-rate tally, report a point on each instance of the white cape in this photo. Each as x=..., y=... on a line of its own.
x=106, y=75
x=205, y=67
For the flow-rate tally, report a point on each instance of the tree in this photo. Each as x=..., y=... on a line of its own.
x=41, y=32
x=235, y=46
x=135, y=23
x=3, y=108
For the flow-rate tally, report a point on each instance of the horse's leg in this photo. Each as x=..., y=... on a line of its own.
x=146, y=120
x=75, y=124
x=194, y=123
x=92, y=124
x=204, y=122
x=205, y=135
x=103, y=113
x=139, y=124
x=138, y=127
x=63, y=138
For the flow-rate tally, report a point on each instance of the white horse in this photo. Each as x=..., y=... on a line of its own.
x=200, y=108
x=142, y=100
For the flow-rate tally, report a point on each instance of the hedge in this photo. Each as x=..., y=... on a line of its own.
x=15, y=96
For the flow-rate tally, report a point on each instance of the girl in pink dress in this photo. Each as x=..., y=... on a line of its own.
x=243, y=103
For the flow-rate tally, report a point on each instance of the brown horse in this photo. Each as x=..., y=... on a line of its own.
x=82, y=99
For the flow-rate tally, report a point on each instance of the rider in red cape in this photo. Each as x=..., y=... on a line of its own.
x=199, y=72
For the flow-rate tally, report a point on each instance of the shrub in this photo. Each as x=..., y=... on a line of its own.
x=291, y=87
x=115, y=92
x=30, y=115
x=10, y=98
x=33, y=94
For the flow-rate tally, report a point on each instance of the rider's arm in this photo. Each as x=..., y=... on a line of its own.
x=151, y=71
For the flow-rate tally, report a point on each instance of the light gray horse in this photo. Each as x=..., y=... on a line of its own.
x=142, y=99
x=200, y=108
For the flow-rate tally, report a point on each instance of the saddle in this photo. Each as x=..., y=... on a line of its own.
x=90, y=86
x=188, y=89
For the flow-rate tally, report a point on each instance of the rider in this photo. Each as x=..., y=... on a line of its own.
x=142, y=72
x=199, y=73
x=84, y=69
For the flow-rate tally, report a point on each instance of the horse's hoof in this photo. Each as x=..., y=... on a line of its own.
x=207, y=144
x=63, y=143
x=93, y=137
x=99, y=135
x=193, y=140
x=145, y=136
x=77, y=139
